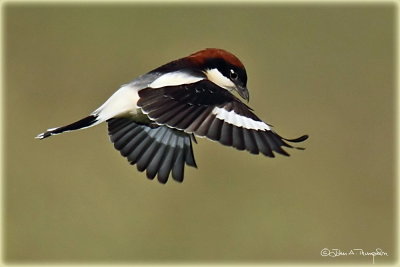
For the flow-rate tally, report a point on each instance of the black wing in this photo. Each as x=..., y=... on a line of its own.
x=157, y=149
x=207, y=110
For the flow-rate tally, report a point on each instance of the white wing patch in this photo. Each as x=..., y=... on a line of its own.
x=238, y=120
x=173, y=79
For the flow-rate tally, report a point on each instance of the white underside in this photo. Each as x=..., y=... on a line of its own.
x=238, y=120
x=122, y=102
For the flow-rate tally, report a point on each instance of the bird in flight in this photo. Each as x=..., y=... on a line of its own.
x=153, y=119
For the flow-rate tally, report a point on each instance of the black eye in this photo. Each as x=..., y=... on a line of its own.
x=234, y=75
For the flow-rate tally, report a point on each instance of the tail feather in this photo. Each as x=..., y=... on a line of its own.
x=83, y=123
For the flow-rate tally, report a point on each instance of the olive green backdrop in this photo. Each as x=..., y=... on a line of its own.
x=324, y=70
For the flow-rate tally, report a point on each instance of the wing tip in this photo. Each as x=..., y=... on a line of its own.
x=298, y=139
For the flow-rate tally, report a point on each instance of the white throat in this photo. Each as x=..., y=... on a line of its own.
x=215, y=76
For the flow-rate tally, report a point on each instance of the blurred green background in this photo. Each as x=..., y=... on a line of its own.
x=324, y=70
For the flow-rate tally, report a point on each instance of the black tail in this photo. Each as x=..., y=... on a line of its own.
x=83, y=123
x=156, y=149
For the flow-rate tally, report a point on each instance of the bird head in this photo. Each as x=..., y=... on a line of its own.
x=222, y=68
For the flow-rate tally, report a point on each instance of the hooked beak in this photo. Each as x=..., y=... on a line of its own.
x=243, y=92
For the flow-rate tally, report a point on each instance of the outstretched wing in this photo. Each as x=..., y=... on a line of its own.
x=159, y=150
x=209, y=111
